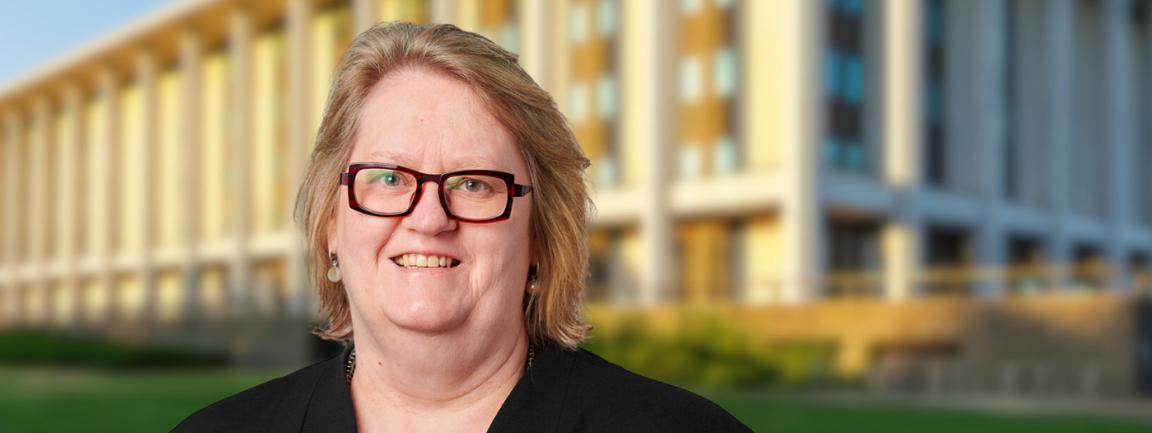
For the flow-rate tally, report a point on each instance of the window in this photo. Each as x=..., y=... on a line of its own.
x=709, y=90
x=933, y=103
x=1089, y=194
x=853, y=259
x=593, y=93
x=948, y=260
x=710, y=257
x=1089, y=269
x=604, y=261
x=1140, y=274
x=1142, y=112
x=844, y=85
x=498, y=23
x=1010, y=163
x=1025, y=268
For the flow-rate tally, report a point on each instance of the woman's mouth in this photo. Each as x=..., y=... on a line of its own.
x=425, y=261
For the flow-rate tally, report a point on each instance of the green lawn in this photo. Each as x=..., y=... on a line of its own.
x=41, y=400
x=772, y=412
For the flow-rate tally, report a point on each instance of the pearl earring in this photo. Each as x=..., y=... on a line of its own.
x=334, y=270
x=532, y=280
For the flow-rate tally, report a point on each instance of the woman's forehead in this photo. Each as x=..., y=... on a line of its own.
x=415, y=158
x=415, y=116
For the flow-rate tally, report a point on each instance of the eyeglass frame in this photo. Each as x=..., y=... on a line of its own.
x=348, y=179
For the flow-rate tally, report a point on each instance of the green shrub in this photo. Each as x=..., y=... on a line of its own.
x=707, y=352
x=29, y=347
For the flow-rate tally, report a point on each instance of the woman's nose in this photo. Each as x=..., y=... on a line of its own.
x=428, y=215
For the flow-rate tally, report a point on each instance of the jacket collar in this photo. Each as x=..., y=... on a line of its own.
x=535, y=404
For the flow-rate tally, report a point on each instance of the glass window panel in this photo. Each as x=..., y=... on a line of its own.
x=832, y=73
x=690, y=79
x=606, y=95
x=724, y=73
x=577, y=102
x=606, y=18
x=725, y=157
x=690, y=161
x=689, y=7
x=578, y=23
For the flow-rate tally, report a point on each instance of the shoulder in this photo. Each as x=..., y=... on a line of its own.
x=257, y=408
x=619, y=400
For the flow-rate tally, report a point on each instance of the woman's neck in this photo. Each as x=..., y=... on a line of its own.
x=421, y=382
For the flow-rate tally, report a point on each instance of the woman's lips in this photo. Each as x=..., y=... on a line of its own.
x=413, y=260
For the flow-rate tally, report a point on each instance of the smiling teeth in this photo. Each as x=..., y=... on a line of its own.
x=423, y=261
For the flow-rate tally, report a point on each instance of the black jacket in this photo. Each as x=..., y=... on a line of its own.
x=563, y=391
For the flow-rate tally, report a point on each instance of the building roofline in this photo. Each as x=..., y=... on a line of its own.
x=91, y=51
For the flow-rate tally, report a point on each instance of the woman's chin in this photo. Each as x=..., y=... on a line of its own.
x=427, y=317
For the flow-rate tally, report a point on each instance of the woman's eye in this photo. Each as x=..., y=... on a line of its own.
x=469, y=185
x=388, y=178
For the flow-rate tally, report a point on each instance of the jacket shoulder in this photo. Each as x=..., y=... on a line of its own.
x=259, y=408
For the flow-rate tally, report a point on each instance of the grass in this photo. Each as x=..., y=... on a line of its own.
x=44, y=400
x=775, y=412
x=35, y=400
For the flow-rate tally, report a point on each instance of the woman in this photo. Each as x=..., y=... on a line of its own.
x=446, y=214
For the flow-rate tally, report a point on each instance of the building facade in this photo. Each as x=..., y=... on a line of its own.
x=743, y=152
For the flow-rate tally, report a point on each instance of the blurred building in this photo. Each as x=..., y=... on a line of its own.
x=757, y=153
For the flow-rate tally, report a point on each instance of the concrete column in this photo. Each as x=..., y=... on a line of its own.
x=1055, y=104
x=8, y=177
x=240, y=142
x=764, y=45
x=442, y=11
x=17, y=161
x=70, y=188
x=300, y=299
x=18, y=121
x=466, y=14
x=985, y=71
x=901, y=236
x=36, y=289
x=802, y=220
x=101, y=200
x=647, y=38
x=190, y=58
x=9, y=183
x=149, y=102
x=536, y=42
x=1118, y=136
x=364, y=15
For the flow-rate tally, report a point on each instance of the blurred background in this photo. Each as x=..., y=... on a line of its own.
x=833, y=215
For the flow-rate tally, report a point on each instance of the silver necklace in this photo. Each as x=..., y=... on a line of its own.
x=350, y=366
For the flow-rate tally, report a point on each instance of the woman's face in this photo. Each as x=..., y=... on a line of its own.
x=433, y=123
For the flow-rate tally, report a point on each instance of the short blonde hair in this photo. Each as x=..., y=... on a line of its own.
x=556, y=165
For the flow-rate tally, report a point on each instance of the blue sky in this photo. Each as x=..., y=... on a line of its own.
x=37, y=32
